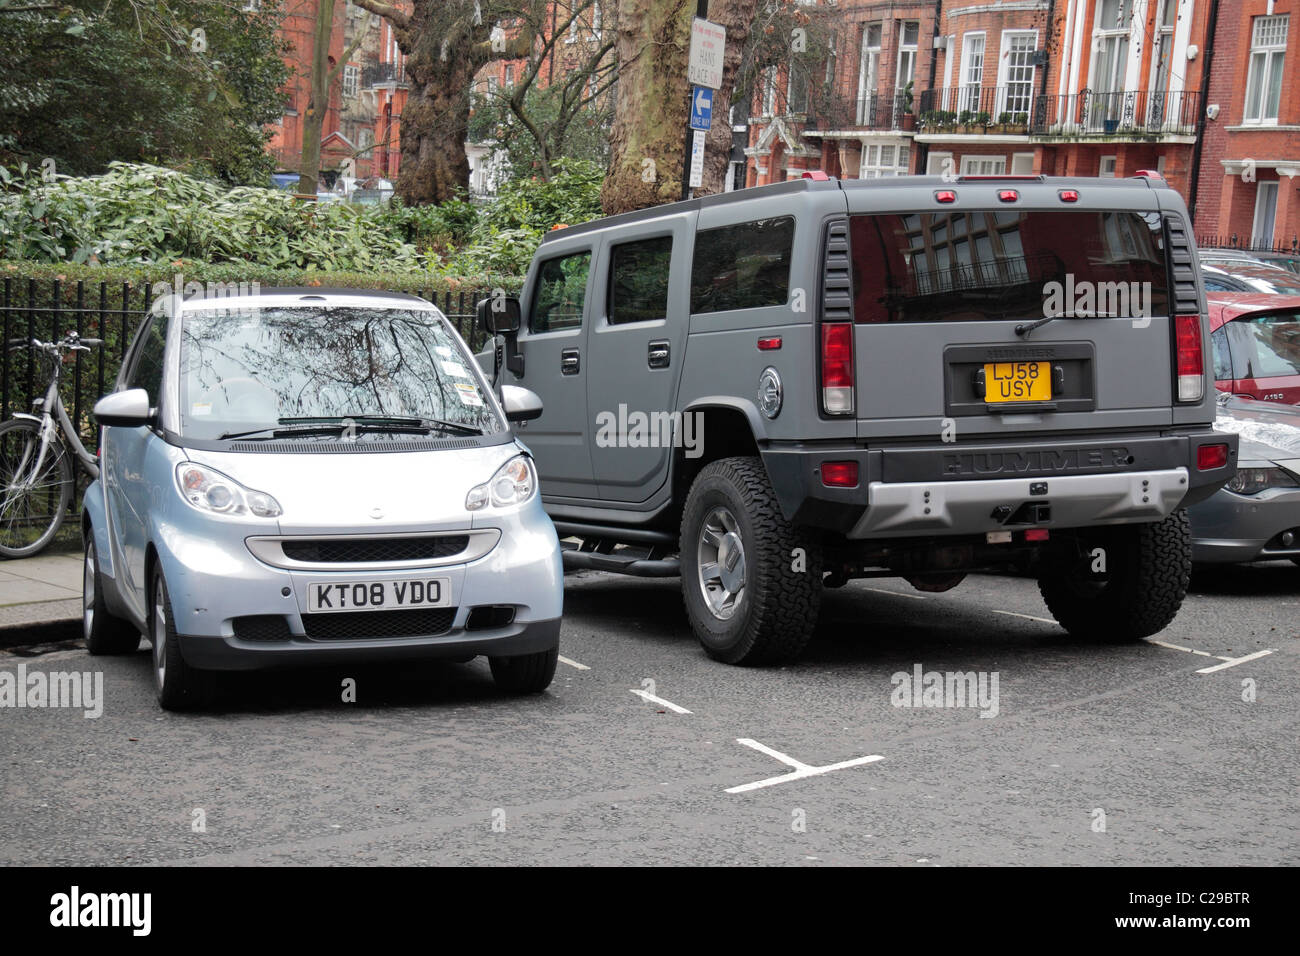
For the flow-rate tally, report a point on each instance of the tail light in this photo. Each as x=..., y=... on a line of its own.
x=840, y=474
x=1209, y=457
x=1188, y=358
x=837, y=368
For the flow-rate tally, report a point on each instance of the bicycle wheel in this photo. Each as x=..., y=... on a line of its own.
x=33, y=498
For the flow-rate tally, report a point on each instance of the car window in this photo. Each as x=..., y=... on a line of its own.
x=1222, y=357
x=638, y=280
x=246, y=369
x=147, y=364
x=1215, y=284
x=742, y=267
x=1276, y=344
x=561, y=293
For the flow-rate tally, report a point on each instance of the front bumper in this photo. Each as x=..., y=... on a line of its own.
x=236, y=612
x=951, y=489
x=1230, y=528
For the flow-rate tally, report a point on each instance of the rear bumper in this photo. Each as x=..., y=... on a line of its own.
x=972, y=488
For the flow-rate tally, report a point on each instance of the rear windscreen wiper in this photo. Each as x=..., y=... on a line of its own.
x=1025, y=328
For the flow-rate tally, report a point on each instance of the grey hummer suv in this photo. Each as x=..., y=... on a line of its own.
x=777, y=390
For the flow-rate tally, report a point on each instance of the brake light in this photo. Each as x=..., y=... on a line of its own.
x=1211, y=456
x=840, y=474
x=816, y=175
x=837, y=368
x=1189, y=361
x=1036, y=534
x=945, y=195
x=1008, y=195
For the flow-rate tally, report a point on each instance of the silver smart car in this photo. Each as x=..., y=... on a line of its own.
x=310, y=476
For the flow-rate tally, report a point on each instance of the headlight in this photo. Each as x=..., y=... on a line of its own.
x=513, y=484
x=209, y=490
x=1251, y=481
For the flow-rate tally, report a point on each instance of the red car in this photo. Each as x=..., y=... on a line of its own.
x=1256, y=341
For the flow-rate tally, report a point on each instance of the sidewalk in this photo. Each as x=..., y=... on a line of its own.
x=38, y=592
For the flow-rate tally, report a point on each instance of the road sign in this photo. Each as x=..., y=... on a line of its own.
x=697, y=159
x=707, y=43
x=701, y=107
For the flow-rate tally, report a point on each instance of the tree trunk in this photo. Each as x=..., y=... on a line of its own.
x=648, y=139
x=435, y=122
x=737, y=16
x=318, y=100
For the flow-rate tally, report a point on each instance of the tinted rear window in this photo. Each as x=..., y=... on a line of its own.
x=742, y=267
x=1001, y=263
x=1269, y=345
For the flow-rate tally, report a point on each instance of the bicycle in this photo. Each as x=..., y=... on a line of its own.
x=37, y=453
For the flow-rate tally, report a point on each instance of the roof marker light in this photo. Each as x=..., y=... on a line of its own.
x=945, y=195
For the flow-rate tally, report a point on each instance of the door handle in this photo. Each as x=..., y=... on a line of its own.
x=657, y=354
x=570, y=364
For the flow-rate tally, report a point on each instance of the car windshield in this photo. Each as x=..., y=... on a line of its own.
x=1272, y=344
x=1001, y=263
x=246, y=370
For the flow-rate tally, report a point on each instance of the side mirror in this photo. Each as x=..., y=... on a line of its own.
x=521, y=404
x=499, y=315
x=129, y=409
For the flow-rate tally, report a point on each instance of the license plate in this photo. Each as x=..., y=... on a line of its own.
x=378, y=595
x=1017, y=382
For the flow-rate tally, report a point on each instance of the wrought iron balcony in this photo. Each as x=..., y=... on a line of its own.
x=379, y=74
x=1126, y=114
x=873, y=111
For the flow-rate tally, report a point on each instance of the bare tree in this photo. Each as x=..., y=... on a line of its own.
x=323, y=77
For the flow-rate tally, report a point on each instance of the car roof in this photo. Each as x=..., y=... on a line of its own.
x=1226, y=306
x=885, y=185
x=241, y=297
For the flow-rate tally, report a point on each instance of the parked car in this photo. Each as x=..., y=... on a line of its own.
x=1248, y=275
x=784, y=388
x=1255, y=339
x=307, y=476
x=1227, y=257
x=1256, y=515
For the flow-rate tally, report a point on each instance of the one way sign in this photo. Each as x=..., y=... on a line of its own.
x=701, y=107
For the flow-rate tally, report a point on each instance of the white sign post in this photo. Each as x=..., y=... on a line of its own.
x=708, y=41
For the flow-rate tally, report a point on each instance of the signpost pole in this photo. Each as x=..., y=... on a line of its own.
x=701, y=11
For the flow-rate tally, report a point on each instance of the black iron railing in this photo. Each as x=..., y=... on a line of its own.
x=1016, y=109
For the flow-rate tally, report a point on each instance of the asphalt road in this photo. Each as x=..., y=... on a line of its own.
x=1096, y=755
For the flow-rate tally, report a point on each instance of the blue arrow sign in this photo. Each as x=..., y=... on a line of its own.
x=701, y=107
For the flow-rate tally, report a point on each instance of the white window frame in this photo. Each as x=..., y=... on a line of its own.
x=907, y=52
x=868, y=69
x=983, y=165
x=1111, y=160
x=968, y=94
x=769, y=92
x=1262, y=54
x=1022, y=164
x=1118, y=36
x=351, y=80
x=1004, y=71
x=872, y=165
x=252, y=6
x=1262, y=190
x=934, y=163
x=509, y=80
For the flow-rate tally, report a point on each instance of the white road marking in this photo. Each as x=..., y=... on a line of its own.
x=581, y=667
x=1234, y=661
x=1187, y=650
x=800, y=770
x=915, y=597
x=644, y=695
x=1027, y=617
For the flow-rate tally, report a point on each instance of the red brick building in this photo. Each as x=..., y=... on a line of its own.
x=1248, y=187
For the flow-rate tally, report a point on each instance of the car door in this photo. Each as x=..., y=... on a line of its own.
x=552, y=341
x=126, y=493
x=635, y=348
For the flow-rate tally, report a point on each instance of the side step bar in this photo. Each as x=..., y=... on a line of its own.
x=620, y=564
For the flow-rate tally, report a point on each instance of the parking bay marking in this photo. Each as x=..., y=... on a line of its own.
x=574, y=664
x=1227, y=661
x=646, y=695
x=800, y=771
x=1027, y=617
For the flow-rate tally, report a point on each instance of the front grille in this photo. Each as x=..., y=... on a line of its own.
x=262, y=627
x=369, y=625
x=360, y=550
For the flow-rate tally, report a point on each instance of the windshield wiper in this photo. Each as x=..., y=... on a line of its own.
x=338, y=424
x=1025, y=329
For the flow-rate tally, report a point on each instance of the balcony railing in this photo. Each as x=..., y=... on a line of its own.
x=1015, y=109
x=874, y=111
x=377, y=74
